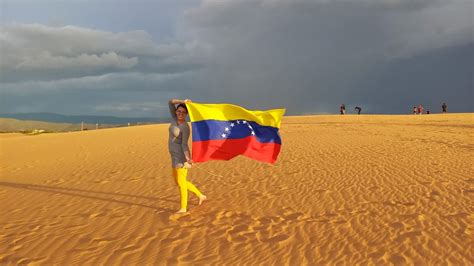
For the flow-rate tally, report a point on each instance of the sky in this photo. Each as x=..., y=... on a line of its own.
x=128, y=58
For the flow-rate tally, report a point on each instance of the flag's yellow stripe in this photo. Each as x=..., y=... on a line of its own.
x=224, y=112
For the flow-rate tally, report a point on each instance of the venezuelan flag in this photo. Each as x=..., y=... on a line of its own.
x=223, y=131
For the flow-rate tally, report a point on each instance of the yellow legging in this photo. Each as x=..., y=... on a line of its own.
x=184, y=185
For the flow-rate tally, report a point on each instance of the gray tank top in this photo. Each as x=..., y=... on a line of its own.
x=178, y=139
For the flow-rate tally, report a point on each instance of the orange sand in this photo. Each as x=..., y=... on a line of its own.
x=353, y=189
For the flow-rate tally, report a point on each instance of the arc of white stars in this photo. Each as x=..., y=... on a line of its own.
x=232, y=125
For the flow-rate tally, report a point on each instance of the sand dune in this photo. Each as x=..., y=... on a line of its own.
x=353, y=189
x=27, y=126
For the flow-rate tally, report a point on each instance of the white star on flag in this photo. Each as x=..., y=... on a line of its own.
x=226, y=129
x=223, y=135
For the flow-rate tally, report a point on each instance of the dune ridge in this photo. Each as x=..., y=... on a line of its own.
x=378, y=189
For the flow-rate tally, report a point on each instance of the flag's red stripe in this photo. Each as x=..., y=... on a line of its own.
x=227, y=149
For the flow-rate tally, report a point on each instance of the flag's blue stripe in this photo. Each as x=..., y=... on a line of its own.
x=214, y=129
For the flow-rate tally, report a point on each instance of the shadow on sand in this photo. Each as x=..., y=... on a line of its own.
x=78, y=193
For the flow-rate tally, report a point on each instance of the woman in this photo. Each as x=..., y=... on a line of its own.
x=179, y=151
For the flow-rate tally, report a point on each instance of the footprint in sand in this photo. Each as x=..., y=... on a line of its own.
x=128, y=248
x=102, y=241
x=31, y=260
x=272, y=239
x=397, y=259
x=412, y=236
x=397, y=225
x=294, y=216
x=36, y=228
x=467, y=191
x=240, y=233
x=178, y=216
x=101, y=181
x=98, y=214
x=135, y=179
x=376, y=255
x=17, y=247
x=254, y=194
x=132, y=179
x=321, y=191
x=77, y=226
x=54, y=181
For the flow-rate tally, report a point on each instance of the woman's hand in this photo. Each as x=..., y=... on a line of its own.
x=188, y=164
x=176, y=101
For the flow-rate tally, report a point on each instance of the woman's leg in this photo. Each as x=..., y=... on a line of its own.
x=180, y=175
x=193, y=189
x=196, y=191
x=183, y=187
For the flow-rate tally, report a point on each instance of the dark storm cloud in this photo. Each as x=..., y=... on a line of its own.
x=47, y=63
x=310, y=56
x=39, y=52
x=307, y=56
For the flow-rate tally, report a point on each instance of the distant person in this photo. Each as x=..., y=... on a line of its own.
x=445, y=107
x=358, y=109
x=180, y=156
x=427, y=111
x=420, y=109
x=342, y=109
x=414, y=110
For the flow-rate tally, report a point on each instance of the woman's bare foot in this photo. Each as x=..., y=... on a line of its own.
x=181, y=211
x=202, y=198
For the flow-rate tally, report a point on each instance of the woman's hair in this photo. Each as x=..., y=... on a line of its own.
x=182, y=105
